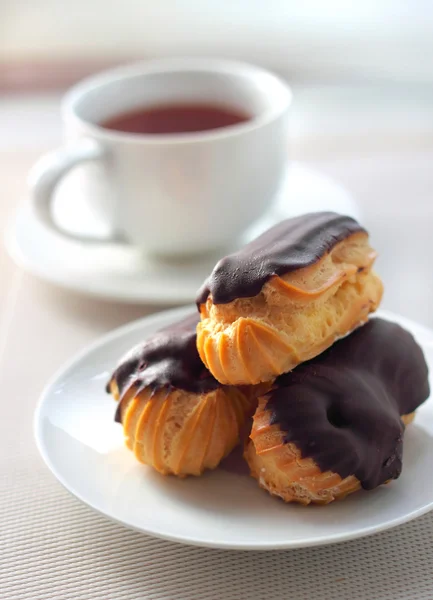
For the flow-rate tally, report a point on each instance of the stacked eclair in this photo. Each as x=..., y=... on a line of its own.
x=282, y=336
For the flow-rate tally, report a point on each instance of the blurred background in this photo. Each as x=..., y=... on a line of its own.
x=355, y=66
x=362, y=74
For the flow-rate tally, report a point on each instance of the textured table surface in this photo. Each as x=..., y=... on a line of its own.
x=52, y=546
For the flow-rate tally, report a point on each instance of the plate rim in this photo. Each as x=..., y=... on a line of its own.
x=263, y=546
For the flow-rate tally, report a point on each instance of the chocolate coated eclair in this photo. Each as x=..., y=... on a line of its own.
x=176, y=417
x=286, y=297
x=336, y=422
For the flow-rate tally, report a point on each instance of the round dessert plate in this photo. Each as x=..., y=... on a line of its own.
x=120, y=272
x=225, y=508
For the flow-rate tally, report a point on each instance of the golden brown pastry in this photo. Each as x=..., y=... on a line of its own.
x=286, y=297
x=176, y=417
x=336, y=423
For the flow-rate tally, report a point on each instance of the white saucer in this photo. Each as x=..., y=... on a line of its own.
x=119, y=272
x=225, y=508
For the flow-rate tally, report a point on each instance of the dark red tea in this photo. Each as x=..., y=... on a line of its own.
x=176, y=118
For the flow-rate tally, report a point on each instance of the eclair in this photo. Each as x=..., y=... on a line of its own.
x=336, y=423
x=175, y=415
x=286, y=297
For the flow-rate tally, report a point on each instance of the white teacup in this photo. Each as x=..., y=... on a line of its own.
x=172, y=194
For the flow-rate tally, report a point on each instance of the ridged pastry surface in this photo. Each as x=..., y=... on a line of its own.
x=293, y=318
x=281, y=470
x=180, y=433
x=176, y=417
x=335, y=423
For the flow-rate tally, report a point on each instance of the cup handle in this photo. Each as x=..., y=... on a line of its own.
x=47, y=173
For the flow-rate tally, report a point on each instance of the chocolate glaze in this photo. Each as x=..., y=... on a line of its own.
x=290, y=245
x=168, y=359
x=343, y=408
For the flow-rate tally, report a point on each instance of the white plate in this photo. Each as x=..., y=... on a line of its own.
x=83, y=447
x=118, y=272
